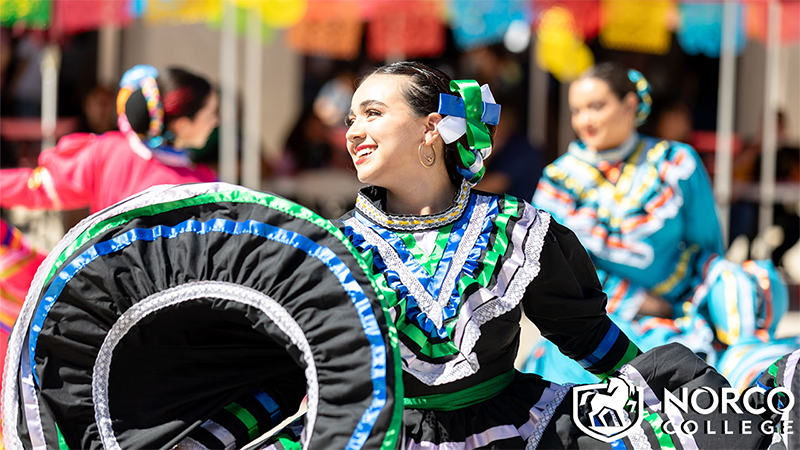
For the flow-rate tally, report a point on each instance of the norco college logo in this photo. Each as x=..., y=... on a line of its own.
x=610, y=411
x=613, y=409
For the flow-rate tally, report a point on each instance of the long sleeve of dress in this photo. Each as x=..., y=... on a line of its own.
x=702, y=223
x=625, y=297
x=552, y=198
x=566, y=302
x=63, y=180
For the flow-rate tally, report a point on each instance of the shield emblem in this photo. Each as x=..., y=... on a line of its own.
x=613, y=409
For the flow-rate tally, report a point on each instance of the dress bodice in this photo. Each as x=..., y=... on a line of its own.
x=454, y=283
x=644, y=211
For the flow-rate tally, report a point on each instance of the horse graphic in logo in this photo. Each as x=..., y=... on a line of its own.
x=611, y=409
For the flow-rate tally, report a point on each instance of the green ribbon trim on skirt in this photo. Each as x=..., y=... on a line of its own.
x=463, y=398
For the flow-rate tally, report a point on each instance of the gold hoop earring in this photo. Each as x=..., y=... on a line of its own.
x=431, y=160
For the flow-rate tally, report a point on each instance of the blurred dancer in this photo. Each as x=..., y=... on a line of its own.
x=159, y=117
x=644, y=209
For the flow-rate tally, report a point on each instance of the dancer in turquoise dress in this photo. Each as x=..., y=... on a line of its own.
x=644, y=210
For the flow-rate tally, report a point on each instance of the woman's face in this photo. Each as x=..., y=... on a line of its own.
x=599, y=118
x=383, y=133
x=194, y=133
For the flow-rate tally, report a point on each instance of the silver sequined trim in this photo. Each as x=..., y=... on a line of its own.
x=192, y=291
x=639, y=439
x=188, y=443
x=516, y=288
x=547, y=415
x=154, y=195
x=394, y=222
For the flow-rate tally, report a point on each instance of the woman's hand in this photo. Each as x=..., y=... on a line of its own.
x=656, y=306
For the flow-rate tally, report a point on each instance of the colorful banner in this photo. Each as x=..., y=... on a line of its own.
x=244, y=10
x=559, y=47
x=700, y=29
x=71, y=16
x=481, y=23
x=329, y=28
x=405, y=30
x=637, y=26
x=28, y=13
x=136, y=8
x=789, y=19
x=585, y=14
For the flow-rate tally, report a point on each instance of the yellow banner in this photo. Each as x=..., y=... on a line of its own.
x=637, y=25
x=559, y=45
x=277, y=13
x=184, y=11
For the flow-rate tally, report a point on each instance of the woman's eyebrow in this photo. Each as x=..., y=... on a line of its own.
x=367, y=103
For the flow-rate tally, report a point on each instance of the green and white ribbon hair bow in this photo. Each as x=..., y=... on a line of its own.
x=469, y=112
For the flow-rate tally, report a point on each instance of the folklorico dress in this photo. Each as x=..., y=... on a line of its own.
x=457, y=284
x=645, y=212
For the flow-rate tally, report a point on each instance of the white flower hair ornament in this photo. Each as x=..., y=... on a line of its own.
x=469, y=112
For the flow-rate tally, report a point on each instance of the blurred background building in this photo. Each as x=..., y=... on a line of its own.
x=725, y=78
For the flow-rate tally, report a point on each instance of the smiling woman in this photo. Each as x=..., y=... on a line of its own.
x=600, y=117
x=380, y=125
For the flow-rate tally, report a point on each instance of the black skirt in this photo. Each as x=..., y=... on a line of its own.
x=201, y=313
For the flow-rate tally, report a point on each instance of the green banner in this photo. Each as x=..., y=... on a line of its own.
x=30, y=13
